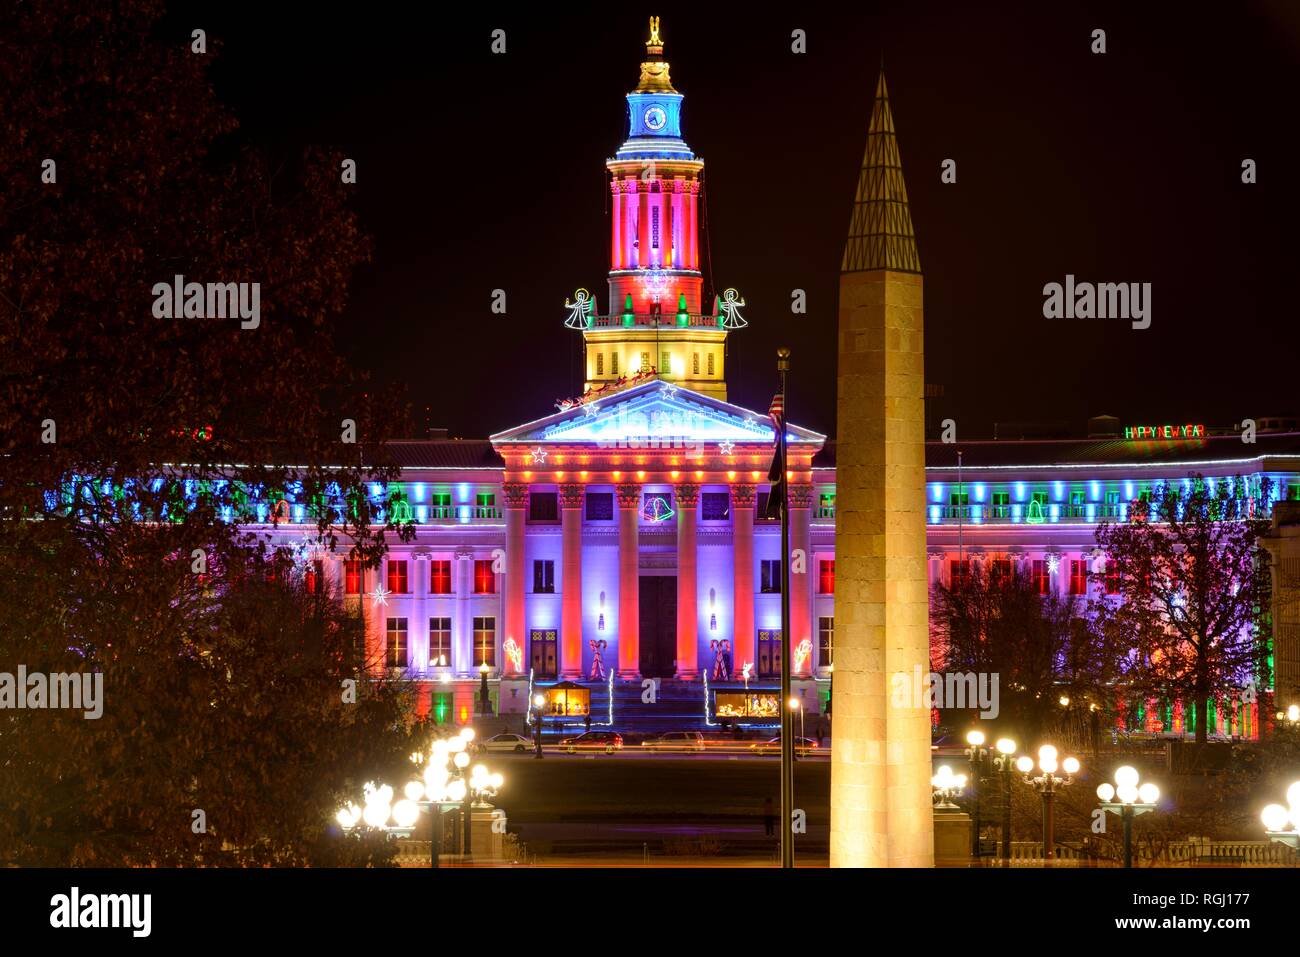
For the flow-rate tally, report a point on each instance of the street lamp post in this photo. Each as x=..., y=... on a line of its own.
x=797, y=703
x=539, y=700
x=976, y=754
x=1004, y=764
x=1047, y=782
x=1282, y=824
x=1128, y=800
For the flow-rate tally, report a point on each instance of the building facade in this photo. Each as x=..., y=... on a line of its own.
x=620, y=537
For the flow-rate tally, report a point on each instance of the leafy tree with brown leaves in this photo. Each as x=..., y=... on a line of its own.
x=131, y=446
x=1190, y=593
x=1041, y=647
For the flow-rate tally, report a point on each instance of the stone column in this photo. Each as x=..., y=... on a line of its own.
x=688, y=651
x=801, y=585
x=629, y=581
x=516, y=499
x=743, y=636
x=571, y=581
x=881, y=809
x=461, y=659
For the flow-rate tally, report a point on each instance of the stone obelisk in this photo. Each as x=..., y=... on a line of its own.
x=880, y=764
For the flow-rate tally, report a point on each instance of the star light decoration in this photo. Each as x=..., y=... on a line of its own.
x=1053, y=563
x=591, y=409
x=537, y=456
x=380, y=595
x=670, y=390
x=725, y=446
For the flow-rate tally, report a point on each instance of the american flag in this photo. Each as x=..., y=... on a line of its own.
x=776, y=412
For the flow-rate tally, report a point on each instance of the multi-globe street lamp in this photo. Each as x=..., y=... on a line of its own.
x=976, y=754
x=947, y=786
x=1291, y=716
x=1047, y=782
x=1004, y=764
x=1128, y=799
x=1282, y=824
x=444, y=784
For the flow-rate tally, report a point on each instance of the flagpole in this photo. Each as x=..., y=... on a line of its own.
x=787, y=716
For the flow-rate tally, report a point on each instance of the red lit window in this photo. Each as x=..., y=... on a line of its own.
x=315, y=578
x=397, y=581
x=1000, y=570
x=826, y=577
x=1078, y=576
x=440, y=577
x=485, y=581
x=959, y=573
x=1112, y=578
x=352, y=576
x=1042, y=580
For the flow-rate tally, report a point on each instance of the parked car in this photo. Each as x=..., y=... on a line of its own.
x=507, y=741
x=675, y=741
x=607, y=741
x=802, y=746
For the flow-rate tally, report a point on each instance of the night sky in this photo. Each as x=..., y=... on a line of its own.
x=478, y=172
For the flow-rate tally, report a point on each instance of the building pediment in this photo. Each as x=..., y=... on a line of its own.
x=652, y=415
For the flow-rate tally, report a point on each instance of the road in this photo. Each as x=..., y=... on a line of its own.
x=661, y=805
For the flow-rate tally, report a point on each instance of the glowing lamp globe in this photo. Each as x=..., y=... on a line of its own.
x=1071, y=765
x=961, y=780
x=479, y=771
x=1126, y=776
x=467, y=734
x=348, y=816
x=1024, y=764
x=496, y=781
x=539, y=700
x=406, y=813
x=376, y=814
x=1006, y=746
x=439, y=747
x=456, y=791
x=794, y=704
x=456, y=745
x=1293, y=795
x=975, y=738
x=1274, y=817
x=1148, y=793
x=414, y=790
x=1106, y=791
x=1048, y=765
x=1127, y=793
x=461, y=760
x=1293, y=712
x=435, y=778
x=1047, y=753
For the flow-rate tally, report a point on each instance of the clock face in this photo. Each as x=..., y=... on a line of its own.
x=655, y=118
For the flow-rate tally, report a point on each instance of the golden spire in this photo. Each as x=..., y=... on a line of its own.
x=654, y=71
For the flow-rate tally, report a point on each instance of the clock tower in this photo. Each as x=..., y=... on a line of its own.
x=657, y=323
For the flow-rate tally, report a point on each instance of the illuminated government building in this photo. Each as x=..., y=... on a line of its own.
x=620, y=537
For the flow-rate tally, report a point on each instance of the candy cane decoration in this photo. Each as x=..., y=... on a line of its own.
x=515, y=655
x=597, y=658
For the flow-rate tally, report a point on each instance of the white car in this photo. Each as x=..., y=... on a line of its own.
x=675, y=741
x=507, y=741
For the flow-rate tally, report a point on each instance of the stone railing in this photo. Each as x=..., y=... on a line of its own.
x=1176, y=854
